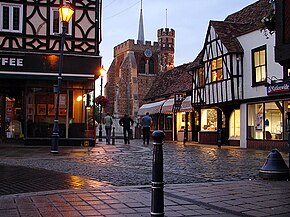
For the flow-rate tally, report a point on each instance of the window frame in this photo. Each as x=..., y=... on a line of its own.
x=11, y=17
x=216, y=70
x=69, y=28
x=201, y=77
x=254, y=72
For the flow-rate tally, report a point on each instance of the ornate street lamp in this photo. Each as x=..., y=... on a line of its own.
x=65, y=14
x=102, y=74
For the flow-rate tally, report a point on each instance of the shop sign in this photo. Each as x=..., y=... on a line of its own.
x=6, y=61
x=178, y=98
x=283, y=87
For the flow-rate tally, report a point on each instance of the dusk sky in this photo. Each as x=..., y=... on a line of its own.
x=189, y=19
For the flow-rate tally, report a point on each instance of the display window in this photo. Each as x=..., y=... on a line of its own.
x=75, y=117
x=265, y=120
x=181, y=121
x=235, y=124
x=208, y=119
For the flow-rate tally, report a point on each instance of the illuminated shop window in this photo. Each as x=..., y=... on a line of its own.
x=235, y=124
x=208, y=119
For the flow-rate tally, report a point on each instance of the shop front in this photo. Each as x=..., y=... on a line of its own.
x=177, y=125
x=28, y=100
x=267, y=124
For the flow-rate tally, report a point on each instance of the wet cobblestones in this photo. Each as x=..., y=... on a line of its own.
x=131, y=165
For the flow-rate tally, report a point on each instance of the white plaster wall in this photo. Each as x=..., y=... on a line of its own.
x=250, y=41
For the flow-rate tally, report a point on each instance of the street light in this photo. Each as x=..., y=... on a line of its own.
x=65, y=14
x=102, y=74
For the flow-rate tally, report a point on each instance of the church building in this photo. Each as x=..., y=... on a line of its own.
x=134, y=68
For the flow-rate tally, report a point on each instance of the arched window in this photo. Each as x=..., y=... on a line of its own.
x=141, y=66
x=151, y=66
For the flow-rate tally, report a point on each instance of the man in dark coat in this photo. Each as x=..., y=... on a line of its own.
x=126, y=122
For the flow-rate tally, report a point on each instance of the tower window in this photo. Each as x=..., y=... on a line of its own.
x=141, y=66
x=151, y=66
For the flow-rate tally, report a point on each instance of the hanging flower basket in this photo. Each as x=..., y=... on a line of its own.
x=101, y=100
x=269, y=22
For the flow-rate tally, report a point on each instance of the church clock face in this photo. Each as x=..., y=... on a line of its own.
x=147, y=52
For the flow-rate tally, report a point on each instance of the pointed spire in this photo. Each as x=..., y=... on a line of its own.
x=141, y=27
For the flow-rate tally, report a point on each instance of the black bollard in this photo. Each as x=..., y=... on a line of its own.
x=113, y=137
x=157, y=196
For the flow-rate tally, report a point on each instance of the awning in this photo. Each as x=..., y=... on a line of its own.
x=167, y=106
x=186, y=104
x=152, y=108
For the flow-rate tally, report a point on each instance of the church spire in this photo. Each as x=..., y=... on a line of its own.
x=141, y=27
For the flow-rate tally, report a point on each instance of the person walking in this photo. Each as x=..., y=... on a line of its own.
x=108, y=121
x=146, y=124
x=126, y=122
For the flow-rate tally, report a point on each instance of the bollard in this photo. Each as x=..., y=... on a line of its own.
x=157, y=196
x=275, y=167
x=113, y=137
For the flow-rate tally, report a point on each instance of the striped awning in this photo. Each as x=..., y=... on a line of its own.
x=152, y=108
x=186, y=104
x=167, y=106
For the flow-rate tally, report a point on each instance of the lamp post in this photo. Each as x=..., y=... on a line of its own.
x=102, y=74
x=65, y=14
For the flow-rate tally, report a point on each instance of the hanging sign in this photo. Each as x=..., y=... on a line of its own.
x=282, y=87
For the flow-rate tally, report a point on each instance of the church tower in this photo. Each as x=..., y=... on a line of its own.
x=166, y=43
x=134, y=69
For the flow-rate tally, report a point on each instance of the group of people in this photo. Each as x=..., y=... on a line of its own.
x=126, y=122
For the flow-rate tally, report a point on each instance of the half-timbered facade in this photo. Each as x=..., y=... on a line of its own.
x=237, y=86
x=29, y=66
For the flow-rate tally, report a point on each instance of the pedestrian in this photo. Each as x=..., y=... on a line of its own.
x=146, y=124
x=108, y=121
x=126, y=122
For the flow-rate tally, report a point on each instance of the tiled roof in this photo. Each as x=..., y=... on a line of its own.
x=252, y=14
x=173, y=81
x=244, y=21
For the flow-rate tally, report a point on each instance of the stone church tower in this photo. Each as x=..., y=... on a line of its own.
x=134, y=68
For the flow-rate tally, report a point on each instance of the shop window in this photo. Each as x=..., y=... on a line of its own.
x=265, y=121
x=181, y=121
x=235, y=124
x=216, y=69
x=255, y=121
x=273, y=120
x=208, y=119
x=142, y=66
x=56, y=24
x=11, y=17
x=201, y=81
x=259, y=66
x=168, y=122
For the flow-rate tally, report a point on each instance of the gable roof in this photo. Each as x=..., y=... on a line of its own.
x=239, y=23
x=251, y=14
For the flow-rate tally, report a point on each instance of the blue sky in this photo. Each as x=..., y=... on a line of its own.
x=189, y=19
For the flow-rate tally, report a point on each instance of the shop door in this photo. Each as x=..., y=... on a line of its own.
x=12, y=116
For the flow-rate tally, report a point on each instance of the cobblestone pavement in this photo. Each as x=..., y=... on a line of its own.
x=200, y=180
x=123, y=165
